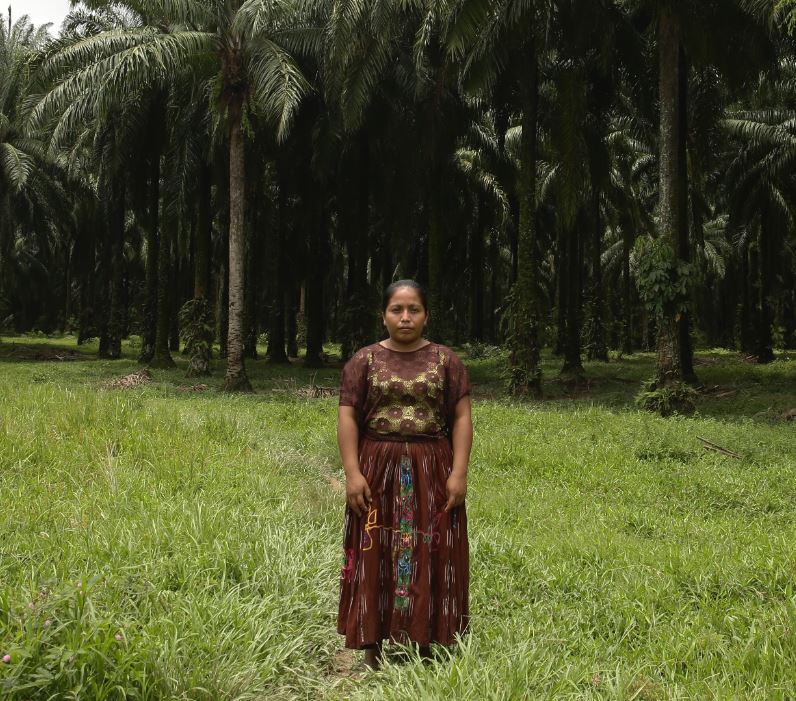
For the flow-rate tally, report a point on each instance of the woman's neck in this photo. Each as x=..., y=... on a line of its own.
x=394, y=345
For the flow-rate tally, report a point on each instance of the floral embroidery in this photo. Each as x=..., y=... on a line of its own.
x=403, y=563
x=409, y=406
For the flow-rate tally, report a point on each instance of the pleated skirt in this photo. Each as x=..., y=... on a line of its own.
x=405, y=573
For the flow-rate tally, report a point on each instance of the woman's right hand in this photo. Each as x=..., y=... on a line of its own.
x=357, y=492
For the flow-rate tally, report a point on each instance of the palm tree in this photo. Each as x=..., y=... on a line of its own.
x=679, y=35
x=35, y=210
x=234, y=50
x=488, y=36
x=762, y=193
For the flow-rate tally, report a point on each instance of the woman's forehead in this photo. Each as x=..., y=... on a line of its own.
x=405, y=295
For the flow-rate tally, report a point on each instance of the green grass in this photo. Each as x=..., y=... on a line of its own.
x=612, y=556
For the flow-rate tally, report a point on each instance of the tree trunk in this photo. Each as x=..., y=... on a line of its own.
x=669, y=368
x=199, y=363
x=86, y=256
x=477, y=233
x=526, y=374
x=149, y=326
x=764, y=347
x=598, y=350
x=102, y=298
x=627, y=294
x=683, y=244
x=292, y=293
x=116, y=234
x=251, y=327
x=236, y=379
x=316, y=273
x=562, y=283
x=162, y=356
x=174, y=292
x=494, y=292
x=436, y=250
x=276, y=333
x=67, y=300
x=291, y=321
x=573, y=365
x=356, y=325
x=222, y=307
x=749, y=265
x=204, y=234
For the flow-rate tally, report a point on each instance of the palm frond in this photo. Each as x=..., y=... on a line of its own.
x=278, y=85
x=16, y=166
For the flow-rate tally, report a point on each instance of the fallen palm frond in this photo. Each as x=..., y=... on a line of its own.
x=134, y=379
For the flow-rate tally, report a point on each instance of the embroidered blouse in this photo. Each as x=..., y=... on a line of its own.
x=404, y=393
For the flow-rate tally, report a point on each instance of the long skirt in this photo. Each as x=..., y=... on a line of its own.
x=405, y=573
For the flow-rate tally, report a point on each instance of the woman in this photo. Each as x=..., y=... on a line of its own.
x=404, y=432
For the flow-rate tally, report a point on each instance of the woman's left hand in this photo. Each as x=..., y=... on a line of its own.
x=456, y=487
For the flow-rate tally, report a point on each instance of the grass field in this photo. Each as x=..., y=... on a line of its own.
x=162, y=542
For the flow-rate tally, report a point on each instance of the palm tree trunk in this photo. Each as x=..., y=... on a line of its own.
x=204, y=233
x=66, y=327
x=627, y=294
x=526, y=374
x=748, y=315
x=116, y=316
x=174, y=293
x=477, y=272
x=199, y=363
x=251, y=328
x=149, y=329
x=162, y=356
x=573, y=365
x=562, y=283
x=292, y=297
x=236, y=379
x=598, y=347
x=316, y=273
x=356, y=319
x=276, y=333
x=86, y=256
x=494, y=292
x=683, y=243
x=102, y=295
x=437, y=327
x=668, y=368
x=765, y=343
x=291, y=320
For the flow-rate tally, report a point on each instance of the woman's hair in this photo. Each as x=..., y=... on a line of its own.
x=395, y=286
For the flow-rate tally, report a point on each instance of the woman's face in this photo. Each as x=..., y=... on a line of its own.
x=405, y=316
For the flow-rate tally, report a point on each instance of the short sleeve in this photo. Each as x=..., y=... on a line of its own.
x=457, y=382
x=354, y=382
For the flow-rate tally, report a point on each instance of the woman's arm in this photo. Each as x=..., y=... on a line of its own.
x=356, y=486
x=462, y=440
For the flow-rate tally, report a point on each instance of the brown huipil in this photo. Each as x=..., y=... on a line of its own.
x=405, y=573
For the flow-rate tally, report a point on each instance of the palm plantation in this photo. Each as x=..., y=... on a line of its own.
x=204, y=197
x=328, y=148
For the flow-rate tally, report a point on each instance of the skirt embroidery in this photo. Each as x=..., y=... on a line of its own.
x=403, y=561
x=404, y=570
